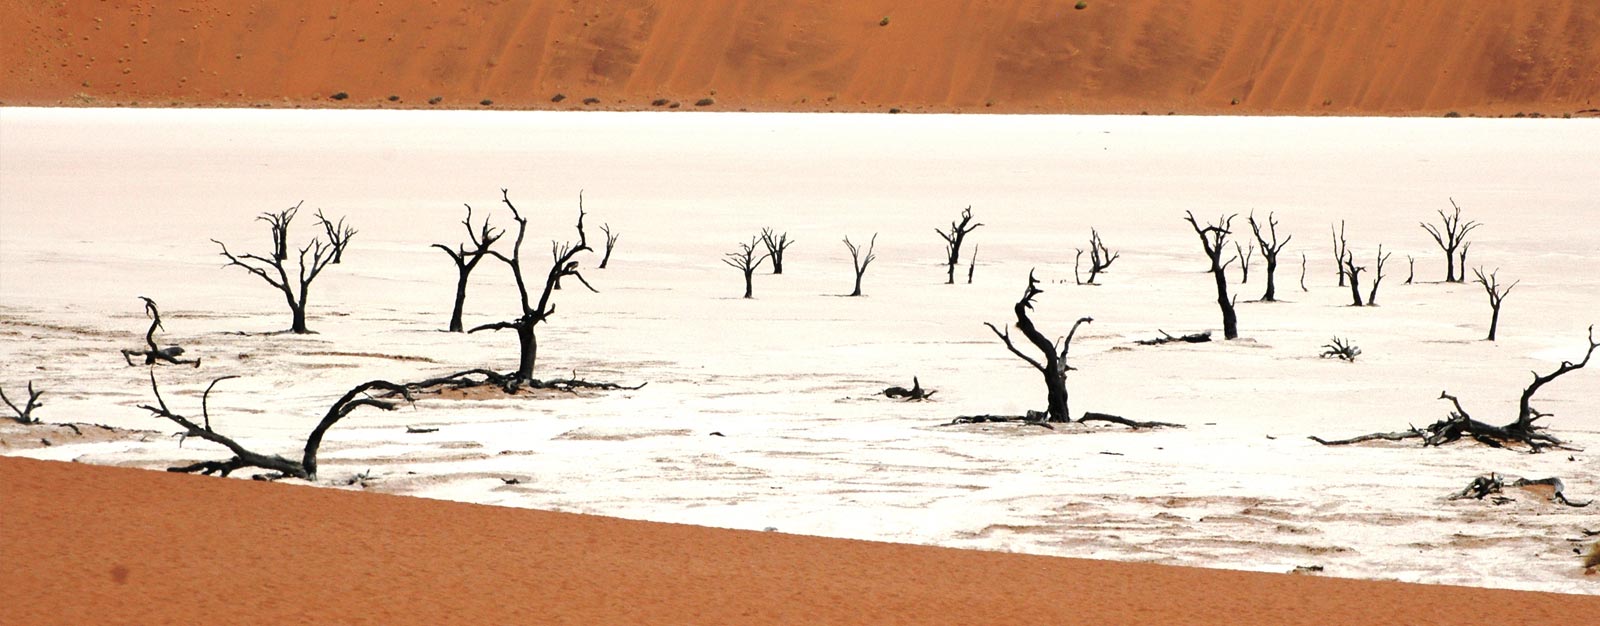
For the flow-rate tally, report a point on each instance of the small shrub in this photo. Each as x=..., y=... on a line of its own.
x=658, y=102
x=486, y=102
x=340, y=96
x=675, y=104
x=591, y=101
x=1235, y=102
x=1081, y=6
x=884, y=21
x=1452, y=114
x=704, y=102
x=558, y=97
x=435, y=100
x=894, y=110
x=394, y=98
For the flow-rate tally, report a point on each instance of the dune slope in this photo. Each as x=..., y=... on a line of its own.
x=1190, y=56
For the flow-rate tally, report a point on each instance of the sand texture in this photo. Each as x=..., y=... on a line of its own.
x=1322, y=57
x=96, y=545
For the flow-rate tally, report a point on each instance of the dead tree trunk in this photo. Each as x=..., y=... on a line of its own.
x=1491, y=285
x=860, y=261
x=1411, y=268
x=533, y=314
x=305, y=468
x=1243, y=254
x=1353, y=271
x=153, y=353
x=24, y=415
x=746, y=261
x=1054, y=367
x=952, y=243
x=1463, y=265
x=1460, y=424
x=1303, y=272
x=776, y=245
x=1377, y=276
x=1077, y=261
x=1339, y=248
x=1270, y=249
x=972, y=264
x=611, y=242
x=466, y=260
x=1450, y=235
x=1214, y=237
x=295, y=291
x=1100, y=257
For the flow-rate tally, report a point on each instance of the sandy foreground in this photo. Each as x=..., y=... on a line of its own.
x=103, y=545
x=101, y=206
x=1283, y=57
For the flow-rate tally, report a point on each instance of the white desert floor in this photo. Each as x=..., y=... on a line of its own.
x=98, y=207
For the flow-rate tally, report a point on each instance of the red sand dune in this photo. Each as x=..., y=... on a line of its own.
x=99, y=545
x=1190, y=56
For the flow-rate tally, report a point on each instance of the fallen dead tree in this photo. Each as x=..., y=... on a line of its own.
x=1168, y=338
x=508, y=383
x=305, y=468
x=1052, y=366
x=915, y=393
x=153, y=353
x=1493, y=484
x=1461, y=425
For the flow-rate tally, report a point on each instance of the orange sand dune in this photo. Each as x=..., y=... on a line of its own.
x=1114, y=56
x=100, y=545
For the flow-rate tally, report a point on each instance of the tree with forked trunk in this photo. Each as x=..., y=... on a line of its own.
x=1353, y=271
x=1270, y=249
x=746, y=261
x=1244, y=254
x=273, y=268
x=1100, y=257
x=153, y=353
x=1377, y=276
x=482, y=238
x=534, y=313
x=777, y=244
x=952, y=242
x=305, y=468
x=1052, y=365
x=1451, y=234
x=611, y=242
x=860, y=261
x=1461, y=425
x=1214, y=237
x=24, y=415
x=1339, y=249
x=1491, y=286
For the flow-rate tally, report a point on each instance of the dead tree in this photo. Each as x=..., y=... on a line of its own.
x=611, y=242
x=1342, y=349
x=1483, y=486
x=297, y=290
x=952, y=242
x=558, y=249
x=1214, y=238
x=1077, y=260
x=1491, y=285
x=482, y=238
x=153, y=353
x=1353, y=271
x=1269, y=250
x=305, y=468
x=746, y=261
x=533, y=313
x=338, y=235
x=1167, y=338
x=24, y=415
x=776, y=245
x=1303, y=272
x=1411, y=268
x=1460, y=424
x=915, y=393
x=1450, y=235
x=972, y=264
x=1339, y=249
x=861, y=261
x=1244, y=254
x=1100, y=257
x=1377, y=276
x=1053, y=366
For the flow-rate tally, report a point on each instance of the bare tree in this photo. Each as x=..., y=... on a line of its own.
x=558, y=249
x=746, y=261
x=482, y=238
x=1243, y=254
x=24, y=415
x=1053, y=367
x=1339, y=249
x=611, y=242
x=1303, y=272
x=295, y=291
x=776, y=245
x=1214, y=237
x=1460, y=424
x=1077, y=261
x=305, y=468
x=1450, y=235
x=952, y=242
x=972, y=264
x=861, y=261
x=1377, y=276
x=1270, y=249
x=1341, y=348
x=153, y=353
x=532, y=314
x=338, y=235
x=1353, y=271
x=1491, y=285
x=1411, y=268
x=1100, y=257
